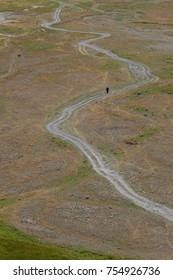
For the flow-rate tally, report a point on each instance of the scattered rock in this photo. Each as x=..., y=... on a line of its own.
x=131, y=142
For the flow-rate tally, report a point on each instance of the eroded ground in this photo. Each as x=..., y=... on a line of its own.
x=47, y=187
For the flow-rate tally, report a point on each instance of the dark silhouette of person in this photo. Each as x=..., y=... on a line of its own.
x=107, y=90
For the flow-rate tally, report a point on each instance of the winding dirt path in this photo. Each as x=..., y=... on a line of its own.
x=6, y=37
x=142, y=75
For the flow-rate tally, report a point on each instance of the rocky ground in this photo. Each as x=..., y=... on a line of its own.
x=54, y=193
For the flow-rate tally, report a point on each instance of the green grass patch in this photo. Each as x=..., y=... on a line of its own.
x=4, y=29
x=136, y=94
x=124, y=204
x=166, y=72
x=145, y=135
x=123, y=54
x=47, y=7
x=33, y=45
x=155, y=89
x=83, y=172
x=118, y=154
x=111, y=152
x=15, y=245
x=127, y=6
x=18, y=5
x=85, y=5
x=46, y=33
x=112, y=65
x=59, y=142
x=138, y=108
x=6, y=202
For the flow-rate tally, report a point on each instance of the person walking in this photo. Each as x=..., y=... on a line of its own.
x=107, y=90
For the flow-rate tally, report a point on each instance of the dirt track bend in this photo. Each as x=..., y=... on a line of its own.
x=142, y=76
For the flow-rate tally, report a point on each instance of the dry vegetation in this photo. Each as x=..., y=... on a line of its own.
x=47, y=188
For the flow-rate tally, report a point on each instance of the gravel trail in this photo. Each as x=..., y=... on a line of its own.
x=142, y=75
